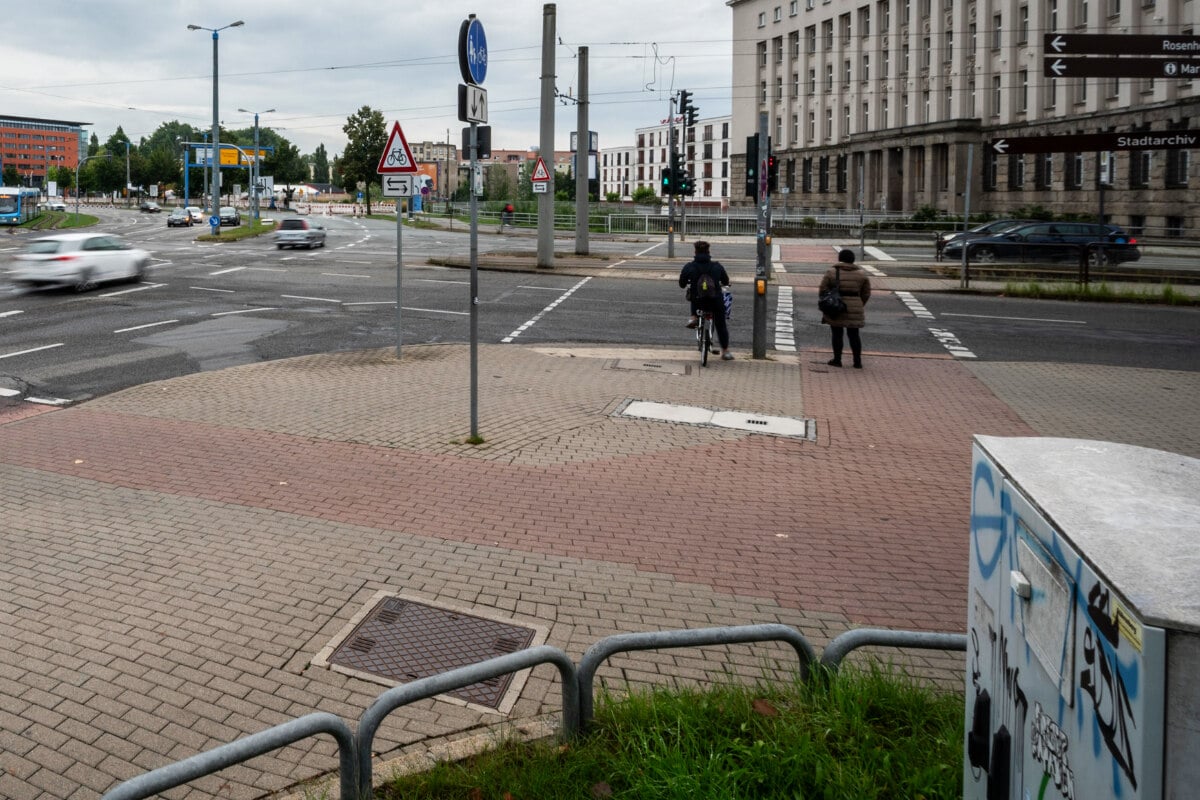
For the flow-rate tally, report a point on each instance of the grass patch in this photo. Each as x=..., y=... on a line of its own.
x=857, y=735
x=234, y=233
x=1100, y=292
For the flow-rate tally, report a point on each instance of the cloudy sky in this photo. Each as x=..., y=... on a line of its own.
x=135, y=64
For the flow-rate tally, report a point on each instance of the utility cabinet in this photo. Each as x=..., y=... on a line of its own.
x=1083, y=640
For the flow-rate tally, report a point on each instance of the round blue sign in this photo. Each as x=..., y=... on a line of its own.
x=472, y=51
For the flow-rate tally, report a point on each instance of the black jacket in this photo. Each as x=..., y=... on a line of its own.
x=702, y=264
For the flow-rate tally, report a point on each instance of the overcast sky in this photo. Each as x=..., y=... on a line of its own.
x=133, y=63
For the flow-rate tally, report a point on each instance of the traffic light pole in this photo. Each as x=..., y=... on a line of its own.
x=762, y=260
x=671, y=189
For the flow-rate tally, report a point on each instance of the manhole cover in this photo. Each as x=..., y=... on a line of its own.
x=664, y=367
x=399, y=640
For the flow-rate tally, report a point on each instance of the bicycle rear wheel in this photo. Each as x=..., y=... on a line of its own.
x=706, y=326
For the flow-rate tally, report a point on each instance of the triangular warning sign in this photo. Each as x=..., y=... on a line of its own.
x=396, y=158
x=540, y=173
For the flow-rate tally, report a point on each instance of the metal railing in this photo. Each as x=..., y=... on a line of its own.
x=354, y=749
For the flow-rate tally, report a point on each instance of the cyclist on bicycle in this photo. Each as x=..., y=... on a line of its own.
x=703, y=264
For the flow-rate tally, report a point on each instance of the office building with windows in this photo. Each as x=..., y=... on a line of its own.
x=34, y=146
x=706, y=151
x=899, y=104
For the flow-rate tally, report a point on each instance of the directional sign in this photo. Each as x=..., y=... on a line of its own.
x=1098, y=142
x=397, y=158
x=540, y=173
x=397, y=185
x=472, y=103
x=1119, y=44
x=1092, y=67
x=541, y=188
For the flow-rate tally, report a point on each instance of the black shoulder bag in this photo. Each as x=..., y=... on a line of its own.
x=830, y=301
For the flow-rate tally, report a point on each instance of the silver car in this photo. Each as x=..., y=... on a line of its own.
x=81, y=260
x=297, y=232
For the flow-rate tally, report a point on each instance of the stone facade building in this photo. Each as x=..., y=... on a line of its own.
x=887, y=101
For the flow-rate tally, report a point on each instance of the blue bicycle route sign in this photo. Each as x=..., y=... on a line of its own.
x=472, y=51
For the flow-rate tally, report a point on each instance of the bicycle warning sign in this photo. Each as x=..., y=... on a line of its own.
x=396, y=158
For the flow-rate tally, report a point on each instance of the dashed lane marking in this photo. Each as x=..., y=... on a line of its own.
x=224, y=271
x=526, y=326
x=948, y=340
x=31, y=350
x=785, y=334
x=914, y=305
x=147, y=325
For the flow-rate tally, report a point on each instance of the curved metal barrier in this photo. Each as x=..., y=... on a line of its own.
x=840, y=647
x=398, y=696
x=695, y=637
x=256, y=744
x=354, y=749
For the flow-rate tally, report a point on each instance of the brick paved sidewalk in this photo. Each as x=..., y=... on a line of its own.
x=178, y=552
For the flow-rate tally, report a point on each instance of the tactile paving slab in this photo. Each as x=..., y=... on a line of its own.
x=400, y=640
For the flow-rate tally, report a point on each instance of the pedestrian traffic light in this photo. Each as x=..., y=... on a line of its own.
x=686, y=109
x=668, y=182
x=689, y=117
x=676, y=163
x=752, y=167
x=772, y=173
x=685, y=184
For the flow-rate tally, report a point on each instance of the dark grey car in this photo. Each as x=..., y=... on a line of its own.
x=1049, y=242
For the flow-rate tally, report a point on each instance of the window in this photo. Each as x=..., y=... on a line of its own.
x=885, y=15
x=1023, y=24
x=904, y=59
x=794, y=45
x=1074, y=170
x=864, y=21
x=926, y=56
x=996, y=96
x=795, y=128
x=843, y=170
x=762, y=19
x=885, y=67
x=883, y=112
x=1043, y=170
x=996, y=38
x=810, y=39
x=1114, y=8
x=1081, y=85
x=762, y=54
x=794, y=8
x=1112, y=88
x=829, y=77
x=762, y=91
x=905, y=8
x=778, y=49
x=865, y=121
x=948, y=47
x=824, y=174
x=1052, y=15
x=1023, y=97
x=846, y=73
x=844, y=21
x=866, y=67
x=812, y=126
x=778, y=13
x=1175, y=226
x=795, y=84
x=949, y=100
x=828, y=123
x=779, y=88
x=1050, y=96
x=1176, y=174
x=1016, y=171
x=812, y=80
x=845, y=120
x=1081, y=13
x=827, y=34
x=1139, y=169
x=806, y=175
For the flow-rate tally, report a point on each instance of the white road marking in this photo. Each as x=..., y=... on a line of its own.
x=344, y=275
x=434, y=310
x=951, y=343
x=616, y=263
x=209, y=289
x=878, y=255
x=1020, y=319
x=785, y=335
x=648, y=249
x=48, y=401
x=10, y=313
x=141, y=288
x=267, y=269
x=542, y=288
x=224, y=271
x=438, y=280
x=914, y=305
x=242, y=311
x=147, y=325
x=303, y=297
x=526, y=326
x=31, y=350
x=9, y=392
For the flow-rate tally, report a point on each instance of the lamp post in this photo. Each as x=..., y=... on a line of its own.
x=127, y=192
x=255, y=167
x=216, y=132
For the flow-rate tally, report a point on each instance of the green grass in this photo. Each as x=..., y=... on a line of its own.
x=233, y=233
x=858, y=735
x=1100, y=292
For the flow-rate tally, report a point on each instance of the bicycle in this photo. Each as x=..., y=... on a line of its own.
x=706, y=336
x=396, y=157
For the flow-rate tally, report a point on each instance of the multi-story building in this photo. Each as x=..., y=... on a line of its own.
x=616, y=171
x=33, y=146
x=705, y=150
x=888, y=101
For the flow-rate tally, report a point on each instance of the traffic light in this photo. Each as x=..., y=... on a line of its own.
x=686, y=109
x=685, y=184
x=668, y=182
x=772, y=173
x=752, y=167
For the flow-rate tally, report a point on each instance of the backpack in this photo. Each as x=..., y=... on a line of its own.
x=705, y=287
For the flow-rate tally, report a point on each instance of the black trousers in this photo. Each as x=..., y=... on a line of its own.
x=855, y=342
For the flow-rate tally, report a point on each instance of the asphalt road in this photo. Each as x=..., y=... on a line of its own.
x=210, y=306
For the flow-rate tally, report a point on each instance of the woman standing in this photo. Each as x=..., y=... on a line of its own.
x=855, y=287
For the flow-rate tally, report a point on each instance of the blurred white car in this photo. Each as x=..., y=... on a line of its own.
x=295, y=232
x=81, y=260
x=56, y=204
x=196, y=213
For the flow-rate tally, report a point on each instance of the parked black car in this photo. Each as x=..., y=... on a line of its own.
x=149, y=207
x=1050, y=242
x=992, y=228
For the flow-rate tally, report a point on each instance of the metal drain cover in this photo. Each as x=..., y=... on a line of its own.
x=664, y=367
x=398, y=640
x=738, y=420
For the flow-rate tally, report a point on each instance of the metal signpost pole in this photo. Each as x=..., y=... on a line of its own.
x=667, y=166
x=474, y=288
x=966, y=265
x=399, y=272
x=545, y=238
x=759, y=341
x=583, y=147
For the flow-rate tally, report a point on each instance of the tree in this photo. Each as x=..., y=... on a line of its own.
x=93, y=145
x=644, y=195
x=320, y=162
x=498, y=184
x=366, y=136
x=11, y=176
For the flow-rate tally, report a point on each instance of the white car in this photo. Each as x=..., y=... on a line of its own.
x=56, y=204
x=296, y=232
x=81, y=260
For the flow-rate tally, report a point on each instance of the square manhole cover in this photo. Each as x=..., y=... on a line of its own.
x=398, y=640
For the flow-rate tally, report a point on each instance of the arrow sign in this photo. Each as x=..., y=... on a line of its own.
x=472, y=103
x=397, y=185
x=1119, y=44
x=397, y=158
x=1092, y=67
x=1098, y=142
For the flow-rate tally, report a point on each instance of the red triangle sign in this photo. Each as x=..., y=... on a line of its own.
x=397, y=157
x=540, y=173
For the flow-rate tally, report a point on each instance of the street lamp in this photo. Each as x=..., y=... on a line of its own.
x=216, y=133
x=127, y=192
x=255, y=167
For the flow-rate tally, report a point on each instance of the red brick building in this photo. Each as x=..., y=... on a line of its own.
x=33, y=146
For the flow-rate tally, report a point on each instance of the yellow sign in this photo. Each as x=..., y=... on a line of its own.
x=232, y=157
